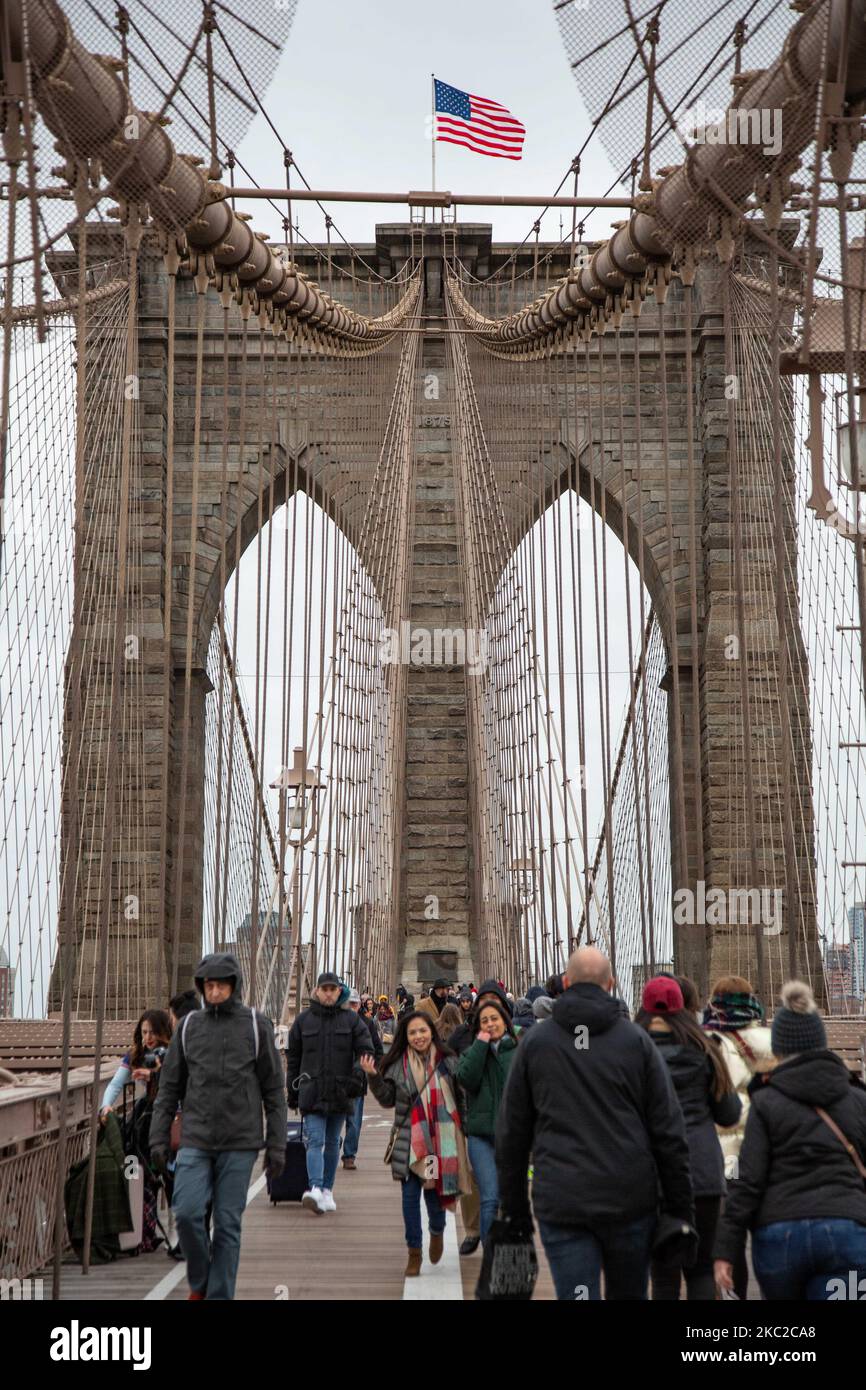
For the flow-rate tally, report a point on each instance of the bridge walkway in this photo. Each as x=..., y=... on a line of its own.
x=356, y=1253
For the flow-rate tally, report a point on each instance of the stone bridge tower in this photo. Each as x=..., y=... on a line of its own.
x=437, y=862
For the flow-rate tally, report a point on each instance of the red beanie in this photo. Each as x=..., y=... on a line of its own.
x=662, y=996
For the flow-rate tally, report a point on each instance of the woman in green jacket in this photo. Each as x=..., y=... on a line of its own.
x=482, y=1073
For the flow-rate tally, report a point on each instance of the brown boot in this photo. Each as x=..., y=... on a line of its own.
x=414, y=1266
x=437, y=1244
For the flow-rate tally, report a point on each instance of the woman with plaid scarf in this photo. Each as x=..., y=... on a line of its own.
x=427, y=1148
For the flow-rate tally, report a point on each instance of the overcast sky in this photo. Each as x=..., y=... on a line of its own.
x=352, y=98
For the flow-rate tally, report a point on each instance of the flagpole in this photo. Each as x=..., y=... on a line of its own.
x=433, y=133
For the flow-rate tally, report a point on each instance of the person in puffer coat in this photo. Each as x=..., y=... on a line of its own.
x=592, y=1102
x=323, y=1078
x=223, y=1064
x=482, y=1073
x=801, y=1188
x=427, y=1149
x=707, y=1097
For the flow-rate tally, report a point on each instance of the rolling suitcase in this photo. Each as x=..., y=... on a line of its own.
x=130, y=1240
x=291, y=1185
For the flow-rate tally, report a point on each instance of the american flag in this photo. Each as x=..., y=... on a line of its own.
x=480, y=124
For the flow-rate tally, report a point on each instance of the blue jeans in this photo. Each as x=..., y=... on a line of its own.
x=412, y=1188
x=203, y=1176
x=577, y=1255
x=812, y=1260
x=353, y=1129
x=322, y=1141
x=482, y=1156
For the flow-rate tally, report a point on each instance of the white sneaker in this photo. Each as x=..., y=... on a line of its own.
x=313, y=1200
x=328, y=1203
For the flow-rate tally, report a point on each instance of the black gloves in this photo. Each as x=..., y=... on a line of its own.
x=159, y=1159
x=275, y=1162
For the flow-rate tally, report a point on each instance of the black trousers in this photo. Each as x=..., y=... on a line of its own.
x=700, y=1285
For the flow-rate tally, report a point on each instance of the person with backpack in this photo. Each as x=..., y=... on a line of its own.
x=482, y=1073
x=427, y=1149
x=734, y=1020
x=707, y=1097
x=802, y=1180
x=324, y=1080
x=223, y=1064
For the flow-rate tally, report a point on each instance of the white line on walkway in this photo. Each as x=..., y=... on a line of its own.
x=443, y=1281
x=171, y=1280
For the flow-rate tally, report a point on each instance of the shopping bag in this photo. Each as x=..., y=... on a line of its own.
x=510, y=1265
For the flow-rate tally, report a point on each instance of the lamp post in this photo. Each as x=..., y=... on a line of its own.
x=523, y=874
x=299, y=787
x=847, y=448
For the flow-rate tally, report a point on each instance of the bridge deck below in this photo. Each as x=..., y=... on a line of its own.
x=355, y=1253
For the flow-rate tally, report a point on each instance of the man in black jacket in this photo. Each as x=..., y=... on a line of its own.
x=589, y=1098
x=324, y=1080
x=224, y=1066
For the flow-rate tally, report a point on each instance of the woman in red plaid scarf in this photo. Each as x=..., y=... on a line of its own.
x=427, y=1148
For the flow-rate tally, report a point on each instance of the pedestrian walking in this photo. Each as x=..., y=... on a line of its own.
x=707, y=1097
x=324, y=1081
x=183, y=1004
x=465, y=1002
x=734, y=1019
x=590, y=1099
x=464, y=1036
x=449, y=1019
x=142, y=1064
x=482, y=1073
x=224, y=1065
x=439, y=994
x=427, y=1149
x=802, y=1168
x=405, y=1000
x=523, y=1016
x=461, y=1039
x=355, y=1120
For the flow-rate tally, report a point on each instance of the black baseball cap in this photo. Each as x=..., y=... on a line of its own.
x=329, y=977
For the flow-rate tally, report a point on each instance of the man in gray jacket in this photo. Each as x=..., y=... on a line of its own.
x=224, y=1067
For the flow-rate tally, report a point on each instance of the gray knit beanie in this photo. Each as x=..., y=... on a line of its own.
x=797, y=1025
x=543, y=1006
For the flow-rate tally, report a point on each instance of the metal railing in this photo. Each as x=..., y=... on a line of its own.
x=29, y=1135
